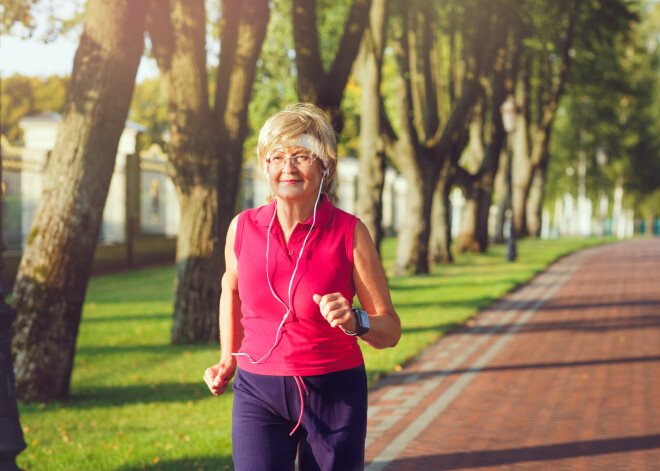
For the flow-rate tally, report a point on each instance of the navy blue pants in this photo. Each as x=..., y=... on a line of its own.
x=331, y=434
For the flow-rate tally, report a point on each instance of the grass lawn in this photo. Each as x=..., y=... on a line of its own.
x=139, y=403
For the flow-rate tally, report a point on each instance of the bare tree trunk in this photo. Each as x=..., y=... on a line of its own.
x=535, y=200
x=206, y=145
x=54, y=271
x=315, y=85
x=194, y=268
x=467, y=237
x=442, y=216
x=473, y=156
x=179, y=47
x=243, y=29
x=474, y=223
x=372, y=148
x=501, y=196
x=413, y=251
x=521, y=179
x=530, y=155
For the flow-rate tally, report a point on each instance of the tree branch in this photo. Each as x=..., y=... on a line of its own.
x=308, y=53
x=335, y=81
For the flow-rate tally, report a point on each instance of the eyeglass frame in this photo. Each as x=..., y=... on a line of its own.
x=294, y=160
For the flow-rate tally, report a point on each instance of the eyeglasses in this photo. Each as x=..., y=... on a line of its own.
x=300, y=160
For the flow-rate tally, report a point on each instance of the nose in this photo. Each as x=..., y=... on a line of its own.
x=288, y=164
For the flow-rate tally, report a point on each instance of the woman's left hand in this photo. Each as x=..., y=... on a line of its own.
x=336, y=309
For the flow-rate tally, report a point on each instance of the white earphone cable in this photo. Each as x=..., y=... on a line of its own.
x=290, y=306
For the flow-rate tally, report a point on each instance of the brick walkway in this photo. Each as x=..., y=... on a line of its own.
x=562, y=374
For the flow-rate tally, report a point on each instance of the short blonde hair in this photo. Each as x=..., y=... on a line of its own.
x=285, y=127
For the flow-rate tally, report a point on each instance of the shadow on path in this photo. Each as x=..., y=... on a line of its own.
x=476, y=459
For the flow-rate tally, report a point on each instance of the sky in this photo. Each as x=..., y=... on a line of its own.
x=33, y=58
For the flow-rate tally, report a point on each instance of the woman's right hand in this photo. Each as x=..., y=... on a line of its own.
x=217, y=377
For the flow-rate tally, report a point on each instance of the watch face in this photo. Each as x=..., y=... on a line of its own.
x=364, y=319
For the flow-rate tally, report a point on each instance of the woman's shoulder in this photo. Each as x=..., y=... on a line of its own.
x=341, y=214
x=259, y=215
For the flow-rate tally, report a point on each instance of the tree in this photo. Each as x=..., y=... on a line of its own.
x=433, y=106
x=554, y=30
x=206, y=143
x=368, y=69
x=23, y=96
x=148, y=108
x=54, y=270
x=481, y=160
x=314, y=84
x=610, y=110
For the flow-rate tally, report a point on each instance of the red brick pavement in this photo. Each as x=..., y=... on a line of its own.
x=562, y=374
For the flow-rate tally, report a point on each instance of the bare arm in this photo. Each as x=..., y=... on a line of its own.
x=217, y=377
x=373, y=293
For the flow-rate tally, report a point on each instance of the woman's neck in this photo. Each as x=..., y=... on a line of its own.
x=290, y=213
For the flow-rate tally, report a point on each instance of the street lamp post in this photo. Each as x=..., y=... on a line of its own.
x=509, y=111
x=11, y=434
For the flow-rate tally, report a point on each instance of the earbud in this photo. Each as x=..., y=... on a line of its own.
x=266, y=169
x=325, y=172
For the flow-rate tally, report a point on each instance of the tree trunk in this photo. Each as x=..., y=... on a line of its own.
x=243, y=29
x=527, y=157
x=535, y=200
x=206, y=145
x=197, y=238
x=521, y=179
x=413, y=249
x=473, y=158
x=54, y=271
x=501, y=196
x=372, y=161
x=326, y=90
x=442, y=216
x=179, y=46
x=474, y=223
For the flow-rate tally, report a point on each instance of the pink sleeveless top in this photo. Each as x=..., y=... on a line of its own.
x=307, y=344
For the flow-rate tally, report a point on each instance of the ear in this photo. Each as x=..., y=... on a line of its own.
x=265, y=170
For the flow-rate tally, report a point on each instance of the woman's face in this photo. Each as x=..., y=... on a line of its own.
x=294, y=181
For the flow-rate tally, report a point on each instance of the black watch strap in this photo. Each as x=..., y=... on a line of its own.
x=362, y=320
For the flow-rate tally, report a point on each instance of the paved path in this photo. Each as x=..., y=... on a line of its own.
x=562, y=374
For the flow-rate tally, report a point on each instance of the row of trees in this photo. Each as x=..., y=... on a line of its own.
x=431, y=78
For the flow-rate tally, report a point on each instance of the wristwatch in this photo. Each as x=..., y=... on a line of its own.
x=362, y=319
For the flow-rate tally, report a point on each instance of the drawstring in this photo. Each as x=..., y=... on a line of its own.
x=299, y=382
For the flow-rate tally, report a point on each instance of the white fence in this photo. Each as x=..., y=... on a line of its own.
x=158, y=208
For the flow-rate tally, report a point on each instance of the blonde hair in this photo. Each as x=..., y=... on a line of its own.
x=287, y=126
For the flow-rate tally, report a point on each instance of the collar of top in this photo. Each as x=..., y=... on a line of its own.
x=323, y=214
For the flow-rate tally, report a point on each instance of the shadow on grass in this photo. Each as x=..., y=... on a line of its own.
x=117, y=396
x=439, y=328
x=216, y=463
x=161, y=349
x=129, y=318
x=437, y=282
x=473, y=303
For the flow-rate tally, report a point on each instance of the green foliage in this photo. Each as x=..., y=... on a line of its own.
x=274, y=85
x=19, y=18
x=611, y=107
x=139, y=403
x=148, y=109
x=330, y=18
x=23, y=96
